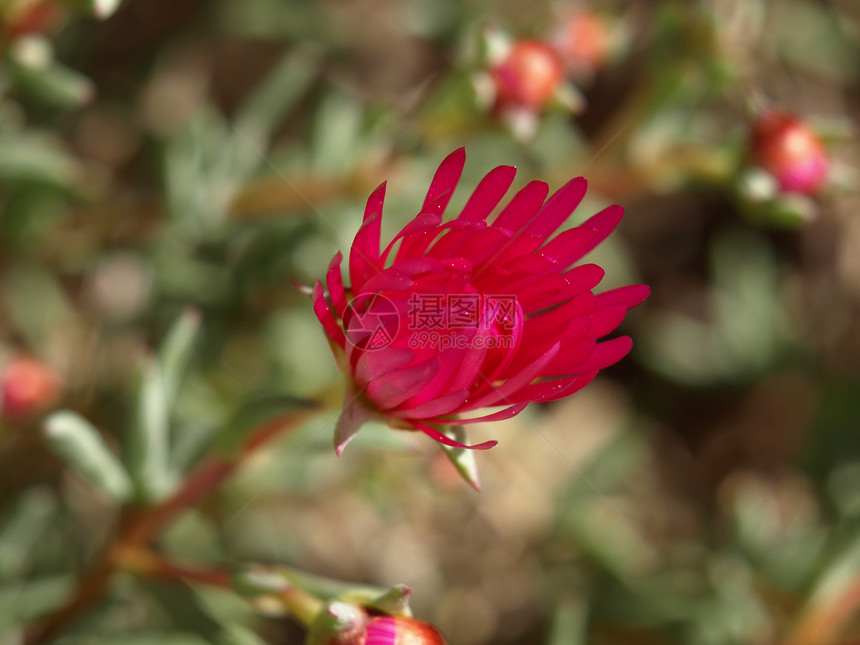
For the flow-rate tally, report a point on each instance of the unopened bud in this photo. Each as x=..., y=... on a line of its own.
x=582, y=41
x=343, y=623
x=529, y=76
x=789, y=150
x=27, y=387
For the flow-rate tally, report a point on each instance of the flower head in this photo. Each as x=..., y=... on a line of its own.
x=458, y=316
x=790, y=151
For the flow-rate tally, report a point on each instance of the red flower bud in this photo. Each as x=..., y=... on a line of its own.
x=27, y=386
x=529, y=76
x=789, y=150
x=582, y=41
x=398, y=630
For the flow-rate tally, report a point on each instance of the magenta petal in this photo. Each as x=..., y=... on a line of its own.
x=606, y=319
x=389, y=280
x=441, y=438
x=584, y=276
x=558, y=208
x=446, y=245
x=445, y=181
x=334, y=283
x=568, y=244
x=390, y=390
x=488, y=193
x=603, y=223
x=571, y=357
x=555, y=389
x=501, y=415
x=628, y=296
x=364, y=254
x=325, y=315
x=607, y=353
x=371, y=365
x=446, y=404
x=517, y=382
x=522, y=207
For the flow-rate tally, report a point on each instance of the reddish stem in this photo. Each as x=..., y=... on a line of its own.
x=143, y=527
x=823, y=624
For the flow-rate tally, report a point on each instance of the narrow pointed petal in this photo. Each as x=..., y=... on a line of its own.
x=444, y=182
x=334, y=283
x=607, y=353
x=606, y=319
x=488, y=193
x=629, y=296
x=499, y=395
x=603, y=223
x=501, y=415
x=364, y=255
x=555, y=389
x=325, y=315
x=571, y=357
x=522, y=207
x=557, y=209
x=441, y=438
x=569, y=244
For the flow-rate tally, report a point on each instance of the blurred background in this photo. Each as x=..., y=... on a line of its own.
x=169, y=171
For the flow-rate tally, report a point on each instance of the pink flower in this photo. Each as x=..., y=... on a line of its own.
x=466, y=314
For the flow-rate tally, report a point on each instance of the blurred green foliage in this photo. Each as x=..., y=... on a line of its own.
x=170, y=171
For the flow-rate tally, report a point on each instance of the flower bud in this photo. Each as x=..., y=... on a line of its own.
x=789, y=150
x=392, y=630
x=399, y=630
x=582, y=41
x=344, y=623
x=27, y=387
x=529, y=76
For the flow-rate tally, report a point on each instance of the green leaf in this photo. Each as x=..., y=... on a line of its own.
x=463, y=459
x=175, y=353
x=279, y=92
x=149, y=440
x=78, y=443
x=36, y=158
x=33, y=597
x=184, y=609
x=34, y=70
x=24, y=527
x=568, y=624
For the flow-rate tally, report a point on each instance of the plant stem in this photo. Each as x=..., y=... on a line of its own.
x=823, y=624
x=143, y=527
